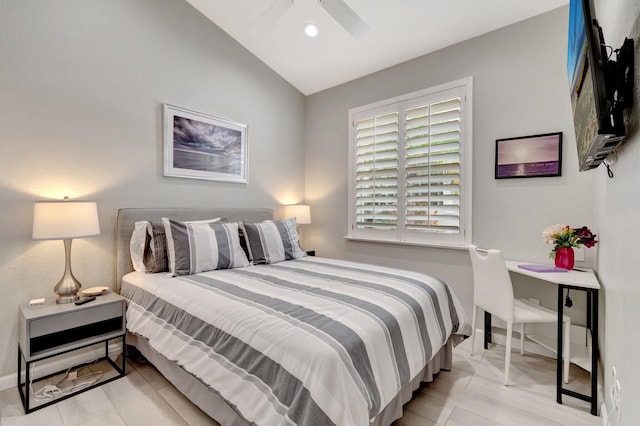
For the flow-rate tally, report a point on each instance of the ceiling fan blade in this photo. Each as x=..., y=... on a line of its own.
x=272, y=14
x=346, y=17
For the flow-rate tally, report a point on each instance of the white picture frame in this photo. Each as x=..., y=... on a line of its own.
x=201, y=146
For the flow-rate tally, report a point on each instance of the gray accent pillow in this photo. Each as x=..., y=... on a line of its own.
x=148, y=247
x=271, y=241
x=155, y=253
x=205, y=246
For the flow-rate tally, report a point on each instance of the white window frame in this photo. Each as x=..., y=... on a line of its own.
x=399, y=236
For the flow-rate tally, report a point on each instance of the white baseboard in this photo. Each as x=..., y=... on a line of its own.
x=498, y=336
x=543, y=342
x=61, y=363
x=8, y=381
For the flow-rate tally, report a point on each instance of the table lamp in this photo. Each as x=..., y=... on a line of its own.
x=65, y=220
x=301, y=212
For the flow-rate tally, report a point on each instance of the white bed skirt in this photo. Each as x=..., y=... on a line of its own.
x=216, y=407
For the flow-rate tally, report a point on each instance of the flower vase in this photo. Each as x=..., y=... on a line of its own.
x=565, y=258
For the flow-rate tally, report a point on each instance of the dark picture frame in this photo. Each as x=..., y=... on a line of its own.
x=201, y=146
x=529, y=156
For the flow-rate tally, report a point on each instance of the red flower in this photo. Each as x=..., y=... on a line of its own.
x=585, y=236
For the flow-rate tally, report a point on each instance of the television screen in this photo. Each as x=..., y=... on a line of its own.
x=577, y=51
x=596, y=134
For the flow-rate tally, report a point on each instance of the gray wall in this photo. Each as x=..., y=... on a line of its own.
x=82, y=85
x=618, y=204
x=520, y=87
x=81, y=89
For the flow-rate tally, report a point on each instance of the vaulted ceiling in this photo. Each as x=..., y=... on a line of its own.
x=391, y=31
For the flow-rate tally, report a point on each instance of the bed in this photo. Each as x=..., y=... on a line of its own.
x=308, y=341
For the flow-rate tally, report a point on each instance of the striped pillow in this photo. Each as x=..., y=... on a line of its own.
x=272, y=241
x=155, y=253
x=148, y=245
x=199, y=247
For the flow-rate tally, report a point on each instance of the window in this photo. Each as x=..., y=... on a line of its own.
x=410, y=167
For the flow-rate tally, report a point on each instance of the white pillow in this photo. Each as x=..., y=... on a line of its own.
x=137, y=245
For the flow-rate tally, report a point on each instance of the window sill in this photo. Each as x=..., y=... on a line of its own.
x=407, y=243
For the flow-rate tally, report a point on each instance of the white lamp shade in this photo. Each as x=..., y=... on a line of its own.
x=65, y=220
x=301, y=212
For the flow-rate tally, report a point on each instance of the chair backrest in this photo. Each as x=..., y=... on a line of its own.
x=492, y=289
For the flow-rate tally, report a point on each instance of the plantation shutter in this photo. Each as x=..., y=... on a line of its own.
x=410, y=168
x=432, y=164
x=377, y=172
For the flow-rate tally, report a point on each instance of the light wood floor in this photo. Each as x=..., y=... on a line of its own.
x=471, y=394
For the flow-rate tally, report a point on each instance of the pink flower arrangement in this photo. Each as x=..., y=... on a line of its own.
x=566, y=236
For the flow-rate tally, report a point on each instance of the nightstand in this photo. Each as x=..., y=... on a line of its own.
x=55, y=329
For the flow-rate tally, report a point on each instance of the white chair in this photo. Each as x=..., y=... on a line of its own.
x=493, y=292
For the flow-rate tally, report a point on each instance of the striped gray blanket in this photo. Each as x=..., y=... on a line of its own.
x=309, y=341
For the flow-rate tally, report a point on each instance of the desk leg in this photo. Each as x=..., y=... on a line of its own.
x=594, y=353
x=592, y=323
x=589, y=314
x=23, y=392
x=487, y=329
x=559, y=347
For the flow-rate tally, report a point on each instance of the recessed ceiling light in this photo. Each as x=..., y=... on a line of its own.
x=311, y=30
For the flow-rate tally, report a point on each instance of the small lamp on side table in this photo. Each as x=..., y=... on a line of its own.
x=301, y=212
x=65, y=220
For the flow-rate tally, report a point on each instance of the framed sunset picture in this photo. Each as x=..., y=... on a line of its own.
x=529, y=156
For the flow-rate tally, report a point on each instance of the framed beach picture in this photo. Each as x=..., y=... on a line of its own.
x=529, y=156
x=201, y=146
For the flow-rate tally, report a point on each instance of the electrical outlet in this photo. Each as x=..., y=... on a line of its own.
x=616, y=396
x=617, y=401
x=615, y=393
x=604, y=415
x=578, y=254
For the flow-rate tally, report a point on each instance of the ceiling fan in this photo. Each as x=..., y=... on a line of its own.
x=338, y=9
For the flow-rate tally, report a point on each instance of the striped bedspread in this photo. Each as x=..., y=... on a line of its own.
x=310, y=341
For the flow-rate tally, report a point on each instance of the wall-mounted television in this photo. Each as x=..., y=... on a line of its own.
x=600, y=87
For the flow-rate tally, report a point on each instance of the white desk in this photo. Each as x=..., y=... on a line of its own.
x=584, y=280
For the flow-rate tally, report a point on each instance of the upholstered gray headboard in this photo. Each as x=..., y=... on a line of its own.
x=128, y=217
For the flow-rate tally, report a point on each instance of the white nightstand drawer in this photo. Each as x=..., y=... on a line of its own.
x=57, y=328
x=49, y=325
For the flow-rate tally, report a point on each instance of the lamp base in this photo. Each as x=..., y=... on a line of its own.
x=66, y=299
x=67, y=288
